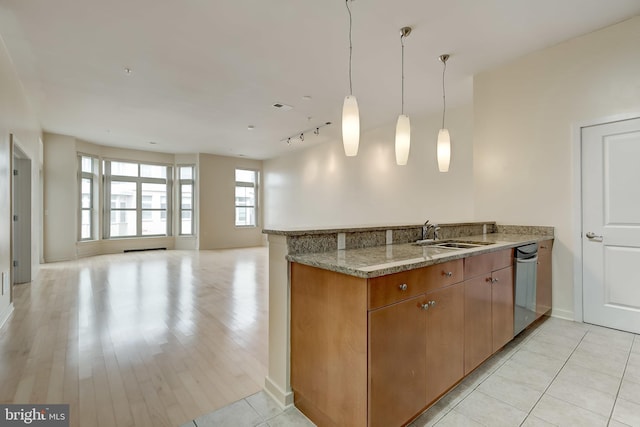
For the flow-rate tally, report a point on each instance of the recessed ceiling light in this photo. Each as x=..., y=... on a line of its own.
x=251, y=127
x=307, y=97
x=128, y=70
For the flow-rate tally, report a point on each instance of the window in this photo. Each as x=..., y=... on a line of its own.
x=246, y=185
x=88, y=182
x=186, y=185
x=137, y=195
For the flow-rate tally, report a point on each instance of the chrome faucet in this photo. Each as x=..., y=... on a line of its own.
x=427, y=228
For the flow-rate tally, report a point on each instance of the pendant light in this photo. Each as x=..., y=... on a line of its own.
x=403, y=127
x=444, y=141
x=350, y=113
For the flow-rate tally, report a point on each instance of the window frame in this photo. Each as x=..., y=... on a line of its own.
x=181, y=211
x=246, y=184
x=92, y=209
x=138, y=181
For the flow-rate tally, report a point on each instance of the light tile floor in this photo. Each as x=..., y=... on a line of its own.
x=556, y=373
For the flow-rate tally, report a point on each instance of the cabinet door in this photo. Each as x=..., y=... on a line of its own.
x=445, y=340
x=397, y=342
x=543, y=278
x=477, y=321
x=502, y=307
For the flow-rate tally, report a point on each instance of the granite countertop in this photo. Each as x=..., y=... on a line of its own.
x=382, y=260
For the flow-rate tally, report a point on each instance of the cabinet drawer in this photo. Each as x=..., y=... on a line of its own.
x=486, y=263
x=385, y=290
x=445, y=274
x=396, y=287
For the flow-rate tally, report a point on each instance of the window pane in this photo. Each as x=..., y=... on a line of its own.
x=124, y=169
x=153, y=171
x=154, y=194
x=186, y=172
x=85, y=231
x=155, y=225
x=86, y=193
x=123, y=223
x=245, y=176
x=87, y=164
x=123, y=194
x=245, y=216
x=186, y=193
x=186, y=226
x=245, y=196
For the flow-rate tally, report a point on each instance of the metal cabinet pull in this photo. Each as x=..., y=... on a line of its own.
x=425, y=306
x=447, y=273
x=432, y=303
x=403, y=287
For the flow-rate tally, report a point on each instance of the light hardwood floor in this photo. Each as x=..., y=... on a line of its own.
x=139, y=339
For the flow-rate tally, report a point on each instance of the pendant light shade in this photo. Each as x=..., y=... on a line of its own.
x=403, y=126
x=350, y=126
x=444, y=150
x=350, y=112
x=403, y=140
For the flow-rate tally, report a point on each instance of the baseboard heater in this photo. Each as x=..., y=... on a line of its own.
x=148, y=249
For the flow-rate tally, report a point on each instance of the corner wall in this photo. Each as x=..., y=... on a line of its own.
x=321, y=187
x=217, y=203
x=17, y=118
x=524, y=147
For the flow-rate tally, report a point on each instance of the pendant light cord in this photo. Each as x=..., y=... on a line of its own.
x=402, y=43
x=444, y=97
x=350, y=48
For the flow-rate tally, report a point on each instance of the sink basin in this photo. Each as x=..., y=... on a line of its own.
x=452, y=244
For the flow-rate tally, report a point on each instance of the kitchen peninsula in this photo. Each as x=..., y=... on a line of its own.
x=381, y=327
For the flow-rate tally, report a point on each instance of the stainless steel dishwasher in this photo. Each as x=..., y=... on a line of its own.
x=526, y=260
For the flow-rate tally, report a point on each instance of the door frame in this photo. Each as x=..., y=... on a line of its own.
x=576, y=215
x=17, y=152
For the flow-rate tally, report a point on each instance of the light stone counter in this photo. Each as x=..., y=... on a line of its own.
x=387, y=259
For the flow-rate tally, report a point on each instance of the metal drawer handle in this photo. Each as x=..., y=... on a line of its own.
x=425, y=306
x=403, y=287
x=448, y=273
x=432, y=303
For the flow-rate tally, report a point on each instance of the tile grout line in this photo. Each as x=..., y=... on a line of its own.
x=554, y=378
x=524, y=341
x=624, y=371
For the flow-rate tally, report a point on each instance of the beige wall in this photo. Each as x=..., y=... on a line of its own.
x=526, y=114
x=217, y=204
x=16, y=117
x=321, y=187
x=60, y=197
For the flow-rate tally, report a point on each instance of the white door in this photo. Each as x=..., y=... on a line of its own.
x=611, y=224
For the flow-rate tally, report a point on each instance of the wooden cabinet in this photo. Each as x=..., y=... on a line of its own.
x=416, y=350
x=488, y=306
x=377, y=352
x=445, y=340
x=397, y=362
x=543, y=278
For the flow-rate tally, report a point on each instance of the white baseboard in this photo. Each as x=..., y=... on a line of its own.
x=282, y=398
x=5, y=316
x=562, y=314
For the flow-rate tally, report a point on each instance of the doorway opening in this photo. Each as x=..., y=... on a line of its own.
x=20, y=215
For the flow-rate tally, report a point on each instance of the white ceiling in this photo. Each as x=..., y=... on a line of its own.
x=203, y=70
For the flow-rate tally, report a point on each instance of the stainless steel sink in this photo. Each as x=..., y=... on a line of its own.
x=452, y=244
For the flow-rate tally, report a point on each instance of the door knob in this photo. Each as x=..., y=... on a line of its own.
x=592, y=235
